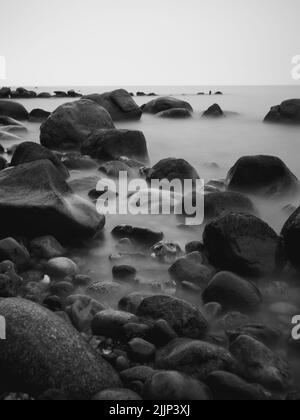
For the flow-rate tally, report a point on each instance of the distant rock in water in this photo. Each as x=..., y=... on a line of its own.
x=5, y=92
x=287, y=112
x=60, y=94
x=114, y=144
x=141, y=236
x=38, y=115
x=291, y=238
x=164, y=104
x=176, y=113
x=214, y=111
x=72, y=94
x=172, y=169
x=219, y=203
x=13, y=110
x=43, y=352
x=23, y=94
x=263, y=175
x=119, y=104
x=71, y=124
x=36, y=201
x=219, y=93
x=45, y=95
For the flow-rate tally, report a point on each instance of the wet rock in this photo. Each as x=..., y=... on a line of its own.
x=3, y=163
x=117, y=394
x=46, y=247
x=218, y=203
x=110, y=323
x=11, y=250
x=288, y=112
x=5, y=92
x=269, y=336
x=166, y=252
x=172, y=385
x=175, y=113
x=138, y=373
x=172, y=169
x=124, y=273
x=140, y=236
x=186, y=320
x=164, y=104
x=60, y=94
x=242, y=244
x=36, y=201
x=263, y=175
x=135, y=330
x=61, y=267
x=226, y=386
x=23, y=93
x=82, y=312
x=119, y=104
x=61, y=289
x=44, y=95
x=214, y=111
x=161, y=333
x=141, y=351
x=112, y=169
x=72, y=94
x=13, y=110
x=53, y=303
x=191, y=269
x=31, y=152
x=71, y=124
x=195, y=246
x=43, y=352
x=114, y=144
x=131, y=302
x=291, y=238
x=258, y=364
x=81, y=280
x=38, y=115
x=195, y=358
x=233, y=292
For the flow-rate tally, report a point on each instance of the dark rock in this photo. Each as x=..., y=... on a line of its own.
x=270, y=337
x=117, y=394
x=263, y=175
x=226, y=386
x=172, y=169
x=81, y=280
x=258, y=364
x=36, y=201
x=195, y=246
x=219, y=93
x=11, y=250
x=119, y=104
x=107, y=292
x=288, y=112
x=43, y=352
x=291, y=238
x=186, y=320
x=82, y=310
x=110, y=323
x=164, y=104
x=124, y=273
x=214, y=111
x=53, y=303
x=218, y=203
x=62, y=289
x=122, y=363
x=191, y=269
x=175, y=113
x=23, y=94
x=3, y=163
x=113, y=169
x=161, y=333
x=5, y=92
x=75, y=161
x=139, y=235
x=113, y=144
x=233, y=292
x=10, y=282
x=72, y=94
x=30, y=152
x=171, y=385
x=61, y=267
x=195, y=358
x=13, y=110
x=71, y=124
x=60, y=94
x=242, y=244
x=135, y=330
x=38, y=115
x=131, y=302
x=138, y=373
x=141, y=351
x=46, y=247
x=44, y=95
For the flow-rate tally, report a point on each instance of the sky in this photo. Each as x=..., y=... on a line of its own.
x=148, y=42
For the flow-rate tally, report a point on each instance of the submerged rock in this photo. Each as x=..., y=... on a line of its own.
x=141, y=236
x=218, y=203
x=13, y=110
x=191, y=269
x=164, y=104
x=11, y=250
x=214, y=111
x=5, y=92
x=172, y=169
x=175, y=113
x=38, y=115
x=71, y=124
x=287, y=112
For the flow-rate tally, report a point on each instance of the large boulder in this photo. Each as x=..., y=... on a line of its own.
x=291, y=238
x=30, y=152
x=43, y=352
x=5, y=92
x=36, y=201
x=214, y=111
x=119, y=104
x=164, y=104
x=13, y=110
x=110, y=145
x=218, y=203
x=172, y=169
x=265, y=175
x=287, y=112
x=71, y=124
x=243, y=244
x=175, y=113
x=191, y=269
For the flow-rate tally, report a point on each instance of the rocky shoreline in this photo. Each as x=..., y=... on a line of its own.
x=218, y=328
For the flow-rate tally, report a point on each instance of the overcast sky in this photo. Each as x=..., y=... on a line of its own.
x=149, y=42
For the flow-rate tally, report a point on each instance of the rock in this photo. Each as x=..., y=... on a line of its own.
x=81, y=280
x=110, y=323
x=186, y=320
x=72, y=94
x=71, y=124
x=82, y=312
x=291, y=238
x=219, y=93
x=191, y=269
x=107, y=292
x=270, y=337
x=196, y=358
x=45, y=95
x=62, y=289
x=172, y=169
x=131, y=302
x=122, y=363
x=164, y=104
x=38, y=115
x=214, y=111
x=138, y=373
x=141, y=236
x=242, y=244
x=226, y=386
x=218, y=203
x=75, y=161
x=233, y=292
x=117, y=394
x=288, y=112
x=110, y=145
x=161, y=333
x=171, y=385
x=263, y=175
x=166, y=252
x=53, y=303
x=23, y=93
x=3, y=163
x=258, y=364
x=119, y=104
x=141, y=351
x=135, y=330
x=43, y=352
x=46, y=247
x=36, y=201
x=80, y=186
x=30, y=152
x=5, y=92
x=60, y=94
x=176, y=113
x=113, y=169
x=195, y=246
x=10, y=282
x=11, y=250
x=13, y=110
x=124, y=273
x=61, y=267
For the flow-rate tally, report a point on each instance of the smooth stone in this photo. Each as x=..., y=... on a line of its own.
x=46, y=247
x=141, y=236
x=194, y=246
x=191, y=269
x=38, y=115
x=110, y=323
x=161, y=333
x=107, y=292
x=137, y=373
x=175, y=113
x=53, y=303
x=269, y=336
x=164, y=104
x=13, y=110
x=130, y=303
x=124, y=273
x=141, y=351
x=11, y=250
x=61, y=267
x=213, y=111
x=218, y=203
x=291, y=238
x=61, y=289
x=172, y=169
x=166, y=252
x=5, y=92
